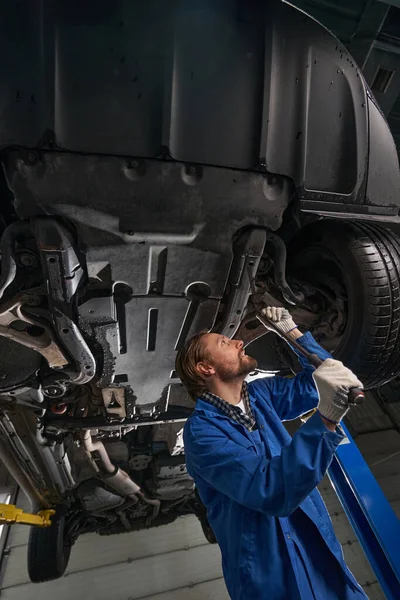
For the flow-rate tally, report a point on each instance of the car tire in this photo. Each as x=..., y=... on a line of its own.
x=48, y=552
x=207, y=530
x=366, y=257
x=201, y=513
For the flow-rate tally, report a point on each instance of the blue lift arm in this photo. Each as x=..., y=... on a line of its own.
x=370, y=514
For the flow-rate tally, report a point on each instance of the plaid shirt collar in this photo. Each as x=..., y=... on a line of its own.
x=232, y=411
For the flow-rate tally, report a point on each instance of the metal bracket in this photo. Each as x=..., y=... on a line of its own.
x=12, y=312
x=114, y=401
x=63, y=272
x=247, y=255
x=9, y=513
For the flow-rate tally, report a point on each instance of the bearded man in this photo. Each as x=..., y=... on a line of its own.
x=259, y=484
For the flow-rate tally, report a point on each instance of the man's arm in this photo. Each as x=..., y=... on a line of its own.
x=292, y=397
x=275, y=486
x=295, y=396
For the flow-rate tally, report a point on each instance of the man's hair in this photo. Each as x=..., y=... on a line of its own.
x=187, y=358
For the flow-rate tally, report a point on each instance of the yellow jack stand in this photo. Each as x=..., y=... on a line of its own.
x=9, y=513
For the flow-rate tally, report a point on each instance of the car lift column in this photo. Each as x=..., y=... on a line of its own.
x=370, y=514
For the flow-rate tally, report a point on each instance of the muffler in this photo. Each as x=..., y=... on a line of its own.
x=113, y=476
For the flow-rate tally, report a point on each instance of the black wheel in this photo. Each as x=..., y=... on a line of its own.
x=207, y=530
x=48, y=552
x=349, y=273
x=201, y=513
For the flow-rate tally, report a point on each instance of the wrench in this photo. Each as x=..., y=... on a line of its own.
x=355, y=396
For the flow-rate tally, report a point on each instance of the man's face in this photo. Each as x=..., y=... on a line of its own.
x=227, y=357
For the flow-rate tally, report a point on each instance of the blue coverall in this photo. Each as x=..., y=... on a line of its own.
x=259, y=487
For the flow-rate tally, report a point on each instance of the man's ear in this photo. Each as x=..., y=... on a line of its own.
x=205, y=369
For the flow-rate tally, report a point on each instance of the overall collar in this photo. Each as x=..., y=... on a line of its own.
x=234, y=412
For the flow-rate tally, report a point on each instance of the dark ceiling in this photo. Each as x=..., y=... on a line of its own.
x=370, y=29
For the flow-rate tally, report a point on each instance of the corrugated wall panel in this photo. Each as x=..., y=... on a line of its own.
x=369, y=416
x=174, y=561
x=381, y=450
x=209, y=590
x=377, y=446
x=131, y=579
x=92, y=551
x=165, y=563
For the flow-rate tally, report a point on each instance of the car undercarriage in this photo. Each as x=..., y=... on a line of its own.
x=117, y=247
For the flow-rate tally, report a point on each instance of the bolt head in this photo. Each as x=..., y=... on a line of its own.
x=53, y=390
x=27, y=260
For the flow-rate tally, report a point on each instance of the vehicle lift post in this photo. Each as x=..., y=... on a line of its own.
x=370, y=514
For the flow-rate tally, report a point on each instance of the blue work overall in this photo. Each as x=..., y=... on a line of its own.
x=259, y=487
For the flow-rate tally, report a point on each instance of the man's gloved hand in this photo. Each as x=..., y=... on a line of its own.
x=281, y=318
x=333, y=381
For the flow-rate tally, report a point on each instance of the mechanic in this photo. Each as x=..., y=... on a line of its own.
x=259, y=484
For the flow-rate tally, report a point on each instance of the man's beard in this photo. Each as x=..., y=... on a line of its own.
x=247, y=364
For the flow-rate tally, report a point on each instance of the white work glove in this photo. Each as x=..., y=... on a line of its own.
x=333, y=381
x=281, y=318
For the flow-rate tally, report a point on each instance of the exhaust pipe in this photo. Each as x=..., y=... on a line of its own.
x=115, y=477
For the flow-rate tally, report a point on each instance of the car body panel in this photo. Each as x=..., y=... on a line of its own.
x=247, y=85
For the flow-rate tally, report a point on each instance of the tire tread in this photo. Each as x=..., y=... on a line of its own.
x=376, y=252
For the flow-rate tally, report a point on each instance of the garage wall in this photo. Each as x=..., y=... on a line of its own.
x=375, y=426
x=381, y=450
x=166, y=563
x=173, y=562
